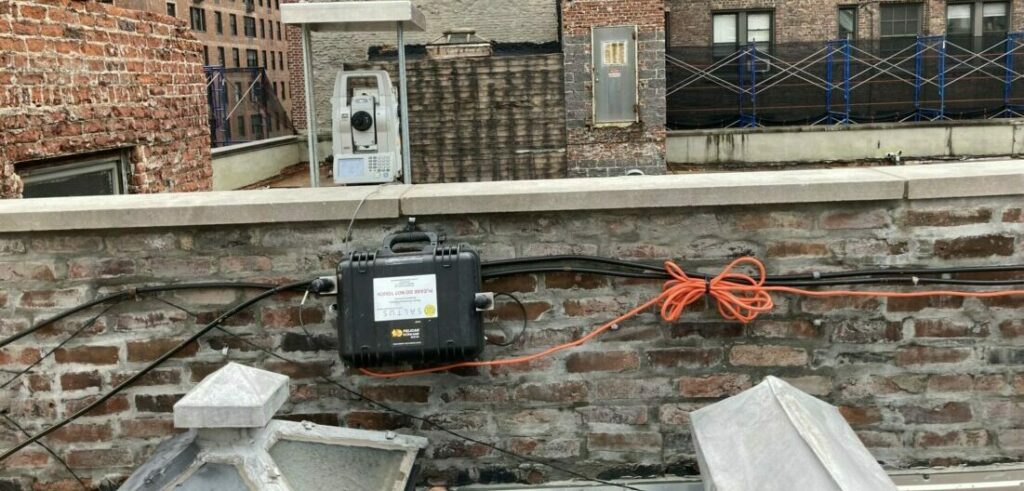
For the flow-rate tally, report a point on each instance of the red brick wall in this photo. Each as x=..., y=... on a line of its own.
x=804, y=20
x=605, y=151
x=922, y=381
x=79, y=77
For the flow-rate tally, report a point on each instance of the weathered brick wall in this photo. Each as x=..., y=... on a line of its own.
x=804, y=20
x=522, y=21
x=485, y=119
x=932, y=382
x=79, y=77
x=604, y=151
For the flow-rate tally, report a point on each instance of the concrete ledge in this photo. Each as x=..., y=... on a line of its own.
x=980, y=178
x=189, y=209
x=734, y=188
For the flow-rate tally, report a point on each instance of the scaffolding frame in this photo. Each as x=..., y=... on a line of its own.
x=937, y=64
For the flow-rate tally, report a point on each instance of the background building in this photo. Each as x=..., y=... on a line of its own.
x=249, y=97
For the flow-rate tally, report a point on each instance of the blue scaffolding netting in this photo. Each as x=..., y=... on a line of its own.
x=842, y=82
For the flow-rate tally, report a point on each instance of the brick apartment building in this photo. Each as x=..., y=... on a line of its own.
x=239, y=34
x=731, y=23
x=96, y=99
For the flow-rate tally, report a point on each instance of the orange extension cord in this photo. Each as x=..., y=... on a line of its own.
x=739, y=297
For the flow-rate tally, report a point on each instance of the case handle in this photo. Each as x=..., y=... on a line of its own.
x=406, y=237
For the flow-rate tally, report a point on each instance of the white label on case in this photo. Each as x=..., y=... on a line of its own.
x=398, y=298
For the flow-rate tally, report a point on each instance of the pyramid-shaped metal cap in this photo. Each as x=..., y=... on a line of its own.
x=236, y=396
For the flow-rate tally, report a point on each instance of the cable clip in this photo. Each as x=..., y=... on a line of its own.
x=915, y=279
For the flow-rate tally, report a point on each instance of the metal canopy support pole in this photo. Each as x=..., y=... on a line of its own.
x=311, y=132
x=404, y=116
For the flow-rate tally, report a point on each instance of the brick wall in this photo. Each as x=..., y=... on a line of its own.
x=523, y=21
x=485, y=119
x=923, y=382
x=804, y=20
x=79, y=77
x=604, y=151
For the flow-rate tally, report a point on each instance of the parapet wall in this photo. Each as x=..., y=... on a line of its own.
x=923, y=382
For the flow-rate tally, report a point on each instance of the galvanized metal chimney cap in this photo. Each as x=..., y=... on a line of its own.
x=235, y=396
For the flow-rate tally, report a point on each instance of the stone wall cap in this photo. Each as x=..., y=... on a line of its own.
x=235, y=396
x=339, y=204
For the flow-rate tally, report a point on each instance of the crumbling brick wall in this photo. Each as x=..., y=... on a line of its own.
x=603, y=151
x=923, y=382
x=79, y=77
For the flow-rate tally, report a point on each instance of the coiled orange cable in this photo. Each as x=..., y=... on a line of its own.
x=739, y=297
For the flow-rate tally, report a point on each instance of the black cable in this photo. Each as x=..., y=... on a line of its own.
x=148, y=368
x=49, y=450
x=526, y=318
x=427, y=421
x=85, y=325
x=127, y=294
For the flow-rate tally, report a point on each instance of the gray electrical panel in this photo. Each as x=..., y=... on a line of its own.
x=614, y=62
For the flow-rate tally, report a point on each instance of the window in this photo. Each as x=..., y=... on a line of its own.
x=220, y=55
x=101, y=174
x=198, y=18
x=901, y=19
x=280, y=60
x=848, y=23
x=241, y=126
x=217, y=18
x=277, y=4
x=238, y=91
x=275, y=88
x=731, y=29
x=172, y=9
x=962, y=19
x=284, y=90
x=251, y=58
x=264, y=58
x=263, y=29
x=273, y=61
x=233, y=23
x=206, y=55
x=261, y=3
x=234, y=57
x=278, y=31
x=250, y=27
x=257, y=125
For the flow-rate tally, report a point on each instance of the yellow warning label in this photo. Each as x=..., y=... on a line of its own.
x=429, y=310
x=396, y=333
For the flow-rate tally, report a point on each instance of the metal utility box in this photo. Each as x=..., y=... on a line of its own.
x=409, y=307
x=615, y=74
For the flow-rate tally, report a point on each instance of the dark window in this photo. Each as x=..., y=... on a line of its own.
x=730, y=30
x=277, y=4
x=206, y=55
x=234, y=57
x=261, y=3
x=82, y=176
x=263, y=29
x=250, y=27
x=238, y=91
x=264, y=58
x=217, y=19
x=198, y=18
x=901, y=19
x=273, y=61
x=172, y=9
x=252, y=59
x=241, y=126
x=233, y=23
x=284, y=90
x=257, y=125
x=280, y=60
x=278, y=31
x=275, y=88
x=848, y=23
x=220, y=55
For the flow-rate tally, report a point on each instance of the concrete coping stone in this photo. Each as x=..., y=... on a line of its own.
x=234, y=396
x=926, y=181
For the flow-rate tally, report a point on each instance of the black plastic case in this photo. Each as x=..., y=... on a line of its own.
x=388, y=314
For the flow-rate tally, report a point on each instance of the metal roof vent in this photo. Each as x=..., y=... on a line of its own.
x=233, y=445
x=458, y=43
